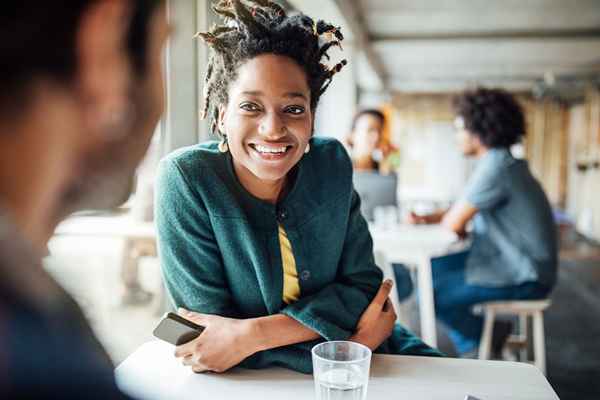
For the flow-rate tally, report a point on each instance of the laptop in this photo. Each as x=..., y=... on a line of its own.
x=375, y=190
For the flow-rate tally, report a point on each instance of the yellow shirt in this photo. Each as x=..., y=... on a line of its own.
x=291, y=285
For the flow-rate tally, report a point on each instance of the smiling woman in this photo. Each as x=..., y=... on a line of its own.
x=267, y=122
x=261, y=235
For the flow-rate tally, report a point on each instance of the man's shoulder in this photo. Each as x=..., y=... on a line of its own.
x=45, y=330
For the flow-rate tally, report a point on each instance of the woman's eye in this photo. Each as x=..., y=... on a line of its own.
x=249, y=107
x=296, y=110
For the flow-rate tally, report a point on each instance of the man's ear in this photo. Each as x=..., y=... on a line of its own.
x=476, y=140
x=103, y=67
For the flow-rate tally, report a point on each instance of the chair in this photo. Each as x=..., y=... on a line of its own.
x=375, y=190
x=524, y=309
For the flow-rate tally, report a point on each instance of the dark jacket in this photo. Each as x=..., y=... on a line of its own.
x=220, y=250
x=47, y=349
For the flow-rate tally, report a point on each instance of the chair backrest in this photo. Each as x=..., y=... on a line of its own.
x=375, y=190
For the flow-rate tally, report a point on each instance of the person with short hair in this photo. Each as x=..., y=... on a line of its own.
x=373, y=156
x=368, y=149
x=514, y=253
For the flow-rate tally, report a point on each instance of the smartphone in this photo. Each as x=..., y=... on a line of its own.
x=177, y=330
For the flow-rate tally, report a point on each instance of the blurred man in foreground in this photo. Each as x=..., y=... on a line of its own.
x=81, y=85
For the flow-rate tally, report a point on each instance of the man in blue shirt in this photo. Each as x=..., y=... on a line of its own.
x=514, y=249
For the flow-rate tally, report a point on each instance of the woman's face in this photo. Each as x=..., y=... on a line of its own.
x=267, y=120
x=367, y=132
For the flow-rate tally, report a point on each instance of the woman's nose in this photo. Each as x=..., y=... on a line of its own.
x=272, y=126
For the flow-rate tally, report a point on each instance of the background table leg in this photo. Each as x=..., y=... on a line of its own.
x=426, y=304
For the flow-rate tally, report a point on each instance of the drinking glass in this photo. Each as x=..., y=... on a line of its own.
x=341, y=370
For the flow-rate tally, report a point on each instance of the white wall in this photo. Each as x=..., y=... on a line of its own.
x=432, y=168
x=582, y=193
x=338, y=104
x=185, y=60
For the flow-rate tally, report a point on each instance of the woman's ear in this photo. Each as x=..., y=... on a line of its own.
x=221, y=119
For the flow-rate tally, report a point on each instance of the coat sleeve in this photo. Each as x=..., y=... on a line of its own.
x=335, y=310
x=190, y=259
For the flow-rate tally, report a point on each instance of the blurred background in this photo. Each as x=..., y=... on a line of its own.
x=407, y=58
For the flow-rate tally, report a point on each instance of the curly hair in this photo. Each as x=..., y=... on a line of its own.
x=493, y=115
x=255, y=27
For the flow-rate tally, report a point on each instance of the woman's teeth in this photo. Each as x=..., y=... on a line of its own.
x=270, y=150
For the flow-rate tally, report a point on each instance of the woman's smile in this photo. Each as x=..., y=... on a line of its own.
x=267, y=121
x=270, y=152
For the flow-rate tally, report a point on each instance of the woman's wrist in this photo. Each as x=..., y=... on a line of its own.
x=364, y=340
x=253, y=330
x=276, y=330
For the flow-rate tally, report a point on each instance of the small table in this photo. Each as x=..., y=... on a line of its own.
x=152, y=372
x=415, y=245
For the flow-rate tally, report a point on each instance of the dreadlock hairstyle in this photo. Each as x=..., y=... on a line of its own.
x=255, y=27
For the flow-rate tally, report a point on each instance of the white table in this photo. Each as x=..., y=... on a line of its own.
x=112, y=225
x=152, y=372
x=414, y=246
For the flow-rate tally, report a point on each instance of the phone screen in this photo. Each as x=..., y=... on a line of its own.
x=177, y=330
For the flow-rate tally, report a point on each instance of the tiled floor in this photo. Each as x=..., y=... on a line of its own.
x=573, y=326
x=88, y=267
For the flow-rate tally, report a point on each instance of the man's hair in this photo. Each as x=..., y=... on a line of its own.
x=255, y=27
x=39, y=41
x=138, y=34
x=106, y=179
x=369, y=111
x=493, y=115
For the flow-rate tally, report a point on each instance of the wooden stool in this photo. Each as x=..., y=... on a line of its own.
x=524, y=309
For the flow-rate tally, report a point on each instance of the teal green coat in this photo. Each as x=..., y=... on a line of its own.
x=220, y=252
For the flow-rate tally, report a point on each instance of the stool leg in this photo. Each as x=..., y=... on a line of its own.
x=129, y=264
x=485, y=344
x=539, y=341
x=523, y=336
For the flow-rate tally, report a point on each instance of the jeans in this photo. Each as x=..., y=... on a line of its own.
x=454, y=299
x=404, y=283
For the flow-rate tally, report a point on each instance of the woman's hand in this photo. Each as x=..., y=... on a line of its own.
x=415, y=219
x=224, y=343
x=377, y=322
